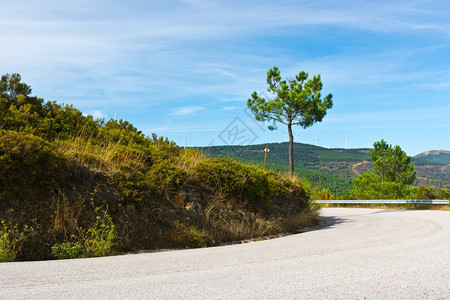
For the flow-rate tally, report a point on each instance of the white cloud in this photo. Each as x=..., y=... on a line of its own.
x=383, y=118
x=100, y=45
x=97, y=114
x=187, y=110
x=149, y=56
x=229, y=108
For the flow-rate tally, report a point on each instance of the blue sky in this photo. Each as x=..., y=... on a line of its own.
x=187, y=68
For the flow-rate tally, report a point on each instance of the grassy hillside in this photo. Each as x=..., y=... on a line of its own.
x=326, y=168
x=73, y=186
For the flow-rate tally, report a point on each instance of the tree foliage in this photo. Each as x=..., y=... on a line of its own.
x=371, y=186
x=393, y=174
x=392, y=164
x=11, y=87
x=430, y=193
x=297, y=102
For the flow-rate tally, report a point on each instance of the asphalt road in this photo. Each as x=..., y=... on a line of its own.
x=366, y=254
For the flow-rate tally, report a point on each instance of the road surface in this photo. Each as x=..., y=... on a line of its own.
x=365, y=254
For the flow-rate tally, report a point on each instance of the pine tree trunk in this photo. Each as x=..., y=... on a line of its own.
x=291, y=151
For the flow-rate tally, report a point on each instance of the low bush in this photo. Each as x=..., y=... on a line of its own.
x=133, y=185
x=166, y=176
x=323, y=194
x=233, y=180
x=11, y=239
x=190, y=235
x=68, y=250
x=26, y=159
x=98, y=240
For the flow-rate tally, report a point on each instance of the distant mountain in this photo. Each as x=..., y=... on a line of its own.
x=438, y=156
x=434, y=163
x=329, y=168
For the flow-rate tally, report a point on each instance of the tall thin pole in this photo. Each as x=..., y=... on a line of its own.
x=265, y=155
x=185, y=140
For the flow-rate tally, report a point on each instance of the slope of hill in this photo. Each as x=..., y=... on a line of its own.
x=438, y=156
x=73, y=186
x=339, y=162
x=433, y=168
x=327, y=168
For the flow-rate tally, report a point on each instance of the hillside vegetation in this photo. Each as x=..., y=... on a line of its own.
x=331, y=169
x=74, y=186
x=438, y=156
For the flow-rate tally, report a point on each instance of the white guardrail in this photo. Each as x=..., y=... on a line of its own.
x=415, y=202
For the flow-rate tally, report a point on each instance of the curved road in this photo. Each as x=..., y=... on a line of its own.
x=366, y=254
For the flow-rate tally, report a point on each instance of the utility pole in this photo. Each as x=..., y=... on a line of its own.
x=265, y=155
x=185, y=140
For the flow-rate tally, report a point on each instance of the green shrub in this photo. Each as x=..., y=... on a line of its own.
x=100, y=239
x=423, y=192
x=198, y=237
x=67, y=250
x=11, y=240
x=190, y=235
x=131, y=158
x=26, y=159
x=133, y=186
x=123, y=132
x=233, y=180
x=323, y=194
x=167, y=176
x=282, y=186
x=443, y=194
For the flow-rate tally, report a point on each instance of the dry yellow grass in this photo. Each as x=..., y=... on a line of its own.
x=67, y=215
x=188, y=158
x=226, y=225
x=108, y=158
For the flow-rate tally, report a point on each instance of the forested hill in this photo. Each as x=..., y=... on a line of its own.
x=327, y=168
x=438, y=156
x=333, y=161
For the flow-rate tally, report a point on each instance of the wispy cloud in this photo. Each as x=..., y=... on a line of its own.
x=229, y=108
x=100, y=51
x=187, y=110
x=142, y=58
x=97, y=114
x=407, y=115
